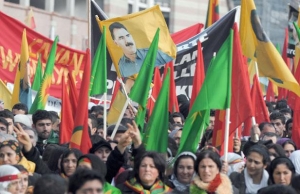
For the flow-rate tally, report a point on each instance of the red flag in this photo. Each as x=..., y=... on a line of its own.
x=240, y=107
x=173, y=103
x=199, y=75
x=155, y=91
x=270, y=96
x=67, y=119
x=296, y=122
x=292, y=96
x=80, y=138
x=73, y=94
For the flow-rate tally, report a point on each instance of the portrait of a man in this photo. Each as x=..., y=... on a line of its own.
x=131, y=61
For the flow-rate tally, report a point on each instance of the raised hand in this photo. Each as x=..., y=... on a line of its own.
x=135, y=134
x=124, y=141
x=23, y=137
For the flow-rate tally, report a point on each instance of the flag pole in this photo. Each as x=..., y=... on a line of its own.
x=227, y=116
x=89, y=24
x=104, y=116
x=120, y=118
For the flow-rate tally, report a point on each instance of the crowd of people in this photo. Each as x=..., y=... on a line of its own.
x=33, y=161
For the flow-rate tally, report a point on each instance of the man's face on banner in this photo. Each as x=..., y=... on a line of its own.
x=124, y=40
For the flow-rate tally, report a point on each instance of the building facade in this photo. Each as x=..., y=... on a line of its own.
x=69, y=18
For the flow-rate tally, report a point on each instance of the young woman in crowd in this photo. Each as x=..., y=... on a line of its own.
x=183, y=172
x=289, y=147
x=147, y=176
x=281, y=171
x=24, y=180
x=9, y=180
x=254, y=176
x=209, y=178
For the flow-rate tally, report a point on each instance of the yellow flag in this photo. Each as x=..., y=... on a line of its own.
x=5, y=95
x=22, y=71
x=116, y=108
x=129, y=38
x=256, y=44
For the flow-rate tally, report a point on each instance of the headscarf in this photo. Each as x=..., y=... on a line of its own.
x=14, y=145
x=295, y=158
x=235, y=162
x=8, y=174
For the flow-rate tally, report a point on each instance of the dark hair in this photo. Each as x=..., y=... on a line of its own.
x=206, y=136
x=41, y=115
x=263, y=124
x=50, y=184
x=54, y=152
x=21, y=168
x=286, y=110
x=54, y=116
x=4, y=122
x=281, y=160
x=21, y=106
x=287, y=124
x=278, y=115
x=289, y=142
x=97, y=109
x=208, y=154
x=81, y=176
x=159, y=163
x=184, y=156
x=278, y=149
x=93, y=120
x=295, y=183
x=172, y=145
x=277, y=189
x=261, y=150
x=66, y=153
x=7, y=114
x=269, y=106
x=96, y=138
x=115, y=25
x=176, y=114
x=281, y=104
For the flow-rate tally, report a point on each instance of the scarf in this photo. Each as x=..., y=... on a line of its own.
x=157, y=188
x=178, y=185
x=252, y=188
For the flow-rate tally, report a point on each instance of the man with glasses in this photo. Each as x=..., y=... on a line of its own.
x=43, y=124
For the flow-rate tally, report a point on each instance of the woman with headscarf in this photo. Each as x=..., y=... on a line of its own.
x=184, y=172
x=295, y=158
x=9, y=180
x=10, y=153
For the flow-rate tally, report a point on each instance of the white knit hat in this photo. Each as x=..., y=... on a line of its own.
x=8, y=173
x=24, y=119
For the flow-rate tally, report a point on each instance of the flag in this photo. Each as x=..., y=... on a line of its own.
x=240, y=107
x=43, y=92
x=30, y=20
x=5, y=95
x=73, y=94
x=155, y=91
x=22, y=91
x=296, y=122
x=199, y=75
x=37, y=76
x=256, y=44
x=138, y=30
x=140, y=90
x=98, y=83
x=218, y=77
x=67, y=120
x=80, y=137
x=270, y=97
x=173, y=102
x=212, y=13
x=156, y=136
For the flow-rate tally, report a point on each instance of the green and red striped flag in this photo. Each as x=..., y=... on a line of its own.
x=141, y=88
x=214, y=94
x=43, y=93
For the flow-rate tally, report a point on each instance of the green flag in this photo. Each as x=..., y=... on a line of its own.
x=214, y=94
x=140, y=90
x=43, y=92
x=38, y=76
x=98, y=83
x=156, y=137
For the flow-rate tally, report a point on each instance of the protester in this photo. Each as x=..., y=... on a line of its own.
x=9, y=117
x=20, y=108
x=184, y=172
x=289, y=147
x=50, y=184
x=295, y=158
x=24, y=180
x=209, y=178
x=147, y=175
x=281, y=171
x=9, y=180
x=277, y=189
